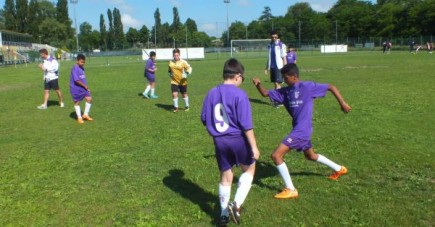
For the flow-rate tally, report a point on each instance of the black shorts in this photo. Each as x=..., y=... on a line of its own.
x=275, y=76
x=179, y=88
x=52, y=84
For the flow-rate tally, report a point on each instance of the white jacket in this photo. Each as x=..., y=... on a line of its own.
x=50, y=67
x=280, y=53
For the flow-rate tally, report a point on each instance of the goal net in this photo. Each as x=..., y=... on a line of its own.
x=249, y=48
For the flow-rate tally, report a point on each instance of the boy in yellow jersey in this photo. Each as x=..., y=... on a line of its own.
x=178, y=70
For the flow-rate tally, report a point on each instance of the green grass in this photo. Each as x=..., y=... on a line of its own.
x=139, y=164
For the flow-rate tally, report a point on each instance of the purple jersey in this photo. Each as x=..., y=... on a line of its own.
x=226, y=111
x=291, y=57
x=150, y=65
x=78, y=74
x=299, y=100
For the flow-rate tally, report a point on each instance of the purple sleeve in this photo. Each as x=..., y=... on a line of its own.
x=276, y=96
x=318, y=90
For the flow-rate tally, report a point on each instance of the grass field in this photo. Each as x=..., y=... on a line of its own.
x=139, y=164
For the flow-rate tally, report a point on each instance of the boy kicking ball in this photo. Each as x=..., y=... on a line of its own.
x=298, y=98
x=79, y=89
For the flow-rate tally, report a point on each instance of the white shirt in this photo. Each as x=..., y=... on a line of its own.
x=50, y=67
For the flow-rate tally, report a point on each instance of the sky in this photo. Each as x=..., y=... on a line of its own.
x=210, y=15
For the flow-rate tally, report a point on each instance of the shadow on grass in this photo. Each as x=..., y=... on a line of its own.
x=165, y=106
x=266, y=170
x=259, y=101
x=52, y=103
x=191, y=191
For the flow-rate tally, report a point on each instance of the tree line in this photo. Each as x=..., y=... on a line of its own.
x=50, y=23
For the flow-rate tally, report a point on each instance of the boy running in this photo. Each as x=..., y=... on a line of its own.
x=298, y=99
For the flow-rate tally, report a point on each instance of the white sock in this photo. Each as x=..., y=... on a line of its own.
x=224, y=198
x=152, y=91
x=175, y=102
x=87, y=108
x=78, y=111
x=322, y=159
x=186, y=102
x=244, y=185
x=147, y=89
x=285, y=174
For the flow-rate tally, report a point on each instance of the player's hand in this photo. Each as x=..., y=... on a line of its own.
x=266, y=72
x=345, y=108
x=256, y=81
x=256, y=153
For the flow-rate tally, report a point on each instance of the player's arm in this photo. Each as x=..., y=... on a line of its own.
x=263, y=91
x=344, y=106
x=252, y=141
x=81, y=84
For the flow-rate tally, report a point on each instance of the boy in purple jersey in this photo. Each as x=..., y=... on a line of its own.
x=226, y=113
x=79, y=89
x=150, y=70
x=291, y=55
x=298, y=98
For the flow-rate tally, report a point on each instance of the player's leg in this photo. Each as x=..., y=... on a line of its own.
x=78, y=112
x=174, y=90
x=278, y=158
x=88, y=105
x=54, y=84
x=183, y=90
x=338, y=169
x=153, y=90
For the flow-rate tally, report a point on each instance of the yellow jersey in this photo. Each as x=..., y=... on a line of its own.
x=176, y=70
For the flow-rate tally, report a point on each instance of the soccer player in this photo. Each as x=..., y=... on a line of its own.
x=178, y=70
x=226, y=113
x=298, y=98
x=50, y=67
x=80, y=90
x=291, y=55
x=150, y=70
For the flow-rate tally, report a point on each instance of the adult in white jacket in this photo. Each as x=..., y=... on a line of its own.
x=50, y=67
x=276, y=59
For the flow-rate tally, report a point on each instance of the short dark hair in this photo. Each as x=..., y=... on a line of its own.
x=176, y=50
x=43, y=51
x=290, y=69
x=232, y=67
x=273, y=32
x=81, y=57
x=152, y=54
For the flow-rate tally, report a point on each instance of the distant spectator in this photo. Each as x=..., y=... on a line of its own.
x=291, y=55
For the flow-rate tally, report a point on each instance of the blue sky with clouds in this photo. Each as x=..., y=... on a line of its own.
x=209, y=15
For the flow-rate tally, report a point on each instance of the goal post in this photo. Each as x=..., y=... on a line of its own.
x=249, y=47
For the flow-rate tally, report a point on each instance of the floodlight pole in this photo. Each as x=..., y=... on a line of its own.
x=228, y=27
x=75, y=21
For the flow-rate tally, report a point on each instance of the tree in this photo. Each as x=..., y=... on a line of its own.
x=34, y=20
x=144, y=35
x=110, y=35
x=238, y=30
x=21, y=8
x=53, y=32
x=156, y=31
x=132, y=36
x=63, y=17
x=118, y=29
x=191, y=25
x=89, y=39
x=10, y=15
x=103, y=33
x=2, y=19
